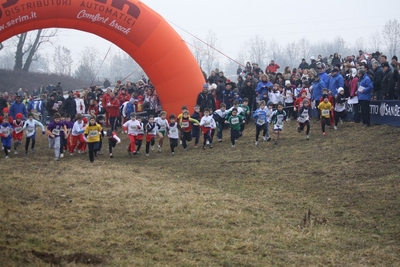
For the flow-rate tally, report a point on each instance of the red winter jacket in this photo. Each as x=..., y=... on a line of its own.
x=113, y=109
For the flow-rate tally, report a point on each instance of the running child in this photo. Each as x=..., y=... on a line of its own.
x=261, y=121
x=240, y=111
x=277, y=118
x=304, y=117
x=77, y=135
x=132, y=127
x=186, y=128
x=340, y=107
x=67, y=140
x=6, y=131
x=173, y=130
x=163, y=122
x=196, y=128
x=207, y=123
x=325, y=107
x=92, y=135
x=246, y=109
x=219, y=117
x=53, y=130
x=151, y=133
x=234, y=121
x=331, y=100
x=18, y=125
x=140, y=135
x=113, y=140
x=30, y=132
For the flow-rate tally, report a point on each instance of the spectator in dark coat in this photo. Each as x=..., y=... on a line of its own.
x=377, y=80
x=205, y=99
x=388, y=85
x=3, y=103
x=69, y=106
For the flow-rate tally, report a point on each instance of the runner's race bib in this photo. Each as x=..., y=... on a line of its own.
x=30, y=130
x=260, y=121
x=93, y=133
x=56, y=132
x=207, y=125
x=185, y=124
x=325, y=112
x=18, y=129
x=235, y=120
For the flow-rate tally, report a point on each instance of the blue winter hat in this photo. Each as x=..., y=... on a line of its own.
x=205, y=85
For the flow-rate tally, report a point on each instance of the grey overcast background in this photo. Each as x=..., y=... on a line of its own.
x=234, y=22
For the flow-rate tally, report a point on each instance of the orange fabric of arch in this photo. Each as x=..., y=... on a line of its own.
x=130, y=25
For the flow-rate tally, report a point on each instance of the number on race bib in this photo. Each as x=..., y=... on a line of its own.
x=30, y=130
x=18, y=129
x=56, y=132
x=325, y=112
x=260, y=121
x=207, y=125
x=185, y=124
x=93, y=133
x=235, y=120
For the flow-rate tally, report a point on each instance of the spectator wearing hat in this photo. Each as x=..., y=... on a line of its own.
x=205, y=99
x=313, y=64
x=388, y=84
x=221, y=76
x=272, y=67
x=377, y=79
x=335, y=81
x=364, y=91
x=304, y=65
x=69, y=106
x=52, y=106
x=18, y=107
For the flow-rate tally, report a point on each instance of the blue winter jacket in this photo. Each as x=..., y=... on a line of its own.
x=324, y=77
x=317, y=90
x=334, y=83
x=18, y=108
x=263, y=87
x=368, y=85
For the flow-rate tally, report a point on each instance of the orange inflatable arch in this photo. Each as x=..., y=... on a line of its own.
x=130, y=25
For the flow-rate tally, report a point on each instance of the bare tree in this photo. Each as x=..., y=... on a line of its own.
x=84, y=73
x=375, y=41
x=62, y=61
x=27, y=47
x=257, y=50
x=304, y=47
x=198, y=51
x=292, y=53
x=360, y=44
x=390, y=33
x=212, y=55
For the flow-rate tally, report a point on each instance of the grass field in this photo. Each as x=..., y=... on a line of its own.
x=330, y=201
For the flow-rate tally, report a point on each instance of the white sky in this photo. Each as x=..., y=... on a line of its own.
x=234, y=22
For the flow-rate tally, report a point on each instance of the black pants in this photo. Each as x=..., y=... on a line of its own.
x=27, y=141
x=289, y=110
x=186, y=137
x=340, y=115
x=148, y=144
x=173, y=142
x=324, y=122
x=6, y=148
x=93, y=148
x=196, y=134
x=111, y=143
x=113, y=123
x=207, y=136
x=138, y=144
x=365, y=111
x=258, y=130
x=63, y=144
x=307, y=124
x=234, y=136
x=356, y=113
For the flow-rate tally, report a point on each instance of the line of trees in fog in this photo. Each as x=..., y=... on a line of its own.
x=27, y=52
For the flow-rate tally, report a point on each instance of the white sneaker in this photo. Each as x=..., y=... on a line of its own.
x=264, y=138
x=219, y=140
x=335, y=127
x=147, y=155
x=55, y=159
x=152, y=147
x=256, y=143
x=7, y=157
x=307, y=137
x=268, y=138
x=61, y=155
x=233, y=146
x=159, y=148
x=208, y=142
x=180, y=142
x=79, y=152
x=341, y=121
x=15, y=152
